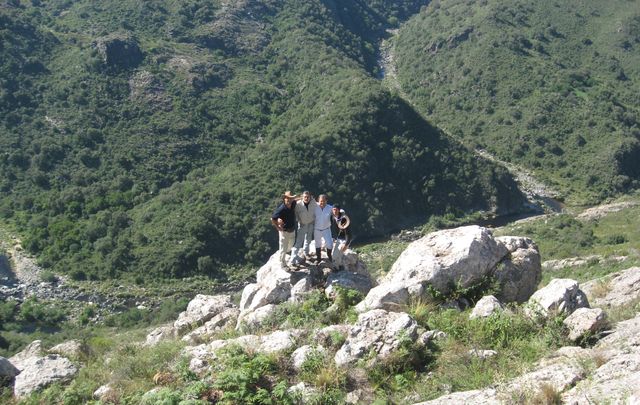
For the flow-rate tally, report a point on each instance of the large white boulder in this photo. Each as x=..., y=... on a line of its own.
x=201, y=309
x=457, y=259
x=349, y=280
x=39, y=373
x=376, y=331
x=559, y=296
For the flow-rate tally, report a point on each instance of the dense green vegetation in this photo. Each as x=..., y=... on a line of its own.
x=552, y=85
x=153, y=139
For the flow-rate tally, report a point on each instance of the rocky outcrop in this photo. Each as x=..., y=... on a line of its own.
x=486, y=307
x=227, y=317
x=119, y=50
x=32, y=350
x=458, y=258
x=302, y=353
x=376, y=331
x=585, y=322
x=71, y=349
x=277, y=341
x=615, y=289
x=559, y=296
x=201, y=309
x=40, y=372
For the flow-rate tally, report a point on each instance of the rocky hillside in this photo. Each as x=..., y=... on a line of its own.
x=458, y=318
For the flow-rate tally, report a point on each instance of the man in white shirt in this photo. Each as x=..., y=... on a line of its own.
x=306, y=216
x=322, y=228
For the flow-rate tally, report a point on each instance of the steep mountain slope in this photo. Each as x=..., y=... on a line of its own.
x=154, y=138
x=551, y=85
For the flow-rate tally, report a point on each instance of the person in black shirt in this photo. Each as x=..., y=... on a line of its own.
x=284, y=220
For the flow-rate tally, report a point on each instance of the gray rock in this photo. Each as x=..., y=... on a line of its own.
x=559, y=296
x=160, y=334
x=302, y=391
x=201, y=309
x=615, y=289
x=105, y=393
x=376, y=331
x=301, y=289
x=482, y=353
x=486, y=307
x=585, y=321
x=33, y=350
x=252, y=320
x=273, y=286
x=224, y=319
x=476, y=397
x=301, y=354
x=7, y=370
x=39, y=373
x=459, y=258
x=71, y=348
x=519, y=272
x=350, y=280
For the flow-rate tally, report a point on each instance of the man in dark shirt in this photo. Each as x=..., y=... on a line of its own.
x=284, y=219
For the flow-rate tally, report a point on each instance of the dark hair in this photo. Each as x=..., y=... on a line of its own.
x=336, y=206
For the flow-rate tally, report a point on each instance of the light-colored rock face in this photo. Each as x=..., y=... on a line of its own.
x=39, y=373
x=302, y=353
x=486, y=307
x=559, y=296
x=615, y=289
x=33, y=350
x=7, y=370
x=376, y=331
x=347, y=279
x=479, y=397
x=274, y=342
x=161, y=333
x=201, y=309
x=72, y=348
x=252, y=320
x=519, y=273
x=273, y=286
x=226, y=318
x=458, y=258
x=585, y=322
x=104, y=393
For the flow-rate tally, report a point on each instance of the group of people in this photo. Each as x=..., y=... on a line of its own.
x=301, y=219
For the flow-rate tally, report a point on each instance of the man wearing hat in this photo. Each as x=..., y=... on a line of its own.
x=284, y=219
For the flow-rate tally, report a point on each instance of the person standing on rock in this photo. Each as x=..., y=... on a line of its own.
x=284, y=220
x=341, y=229
x=322, y=228
x=306, y=217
